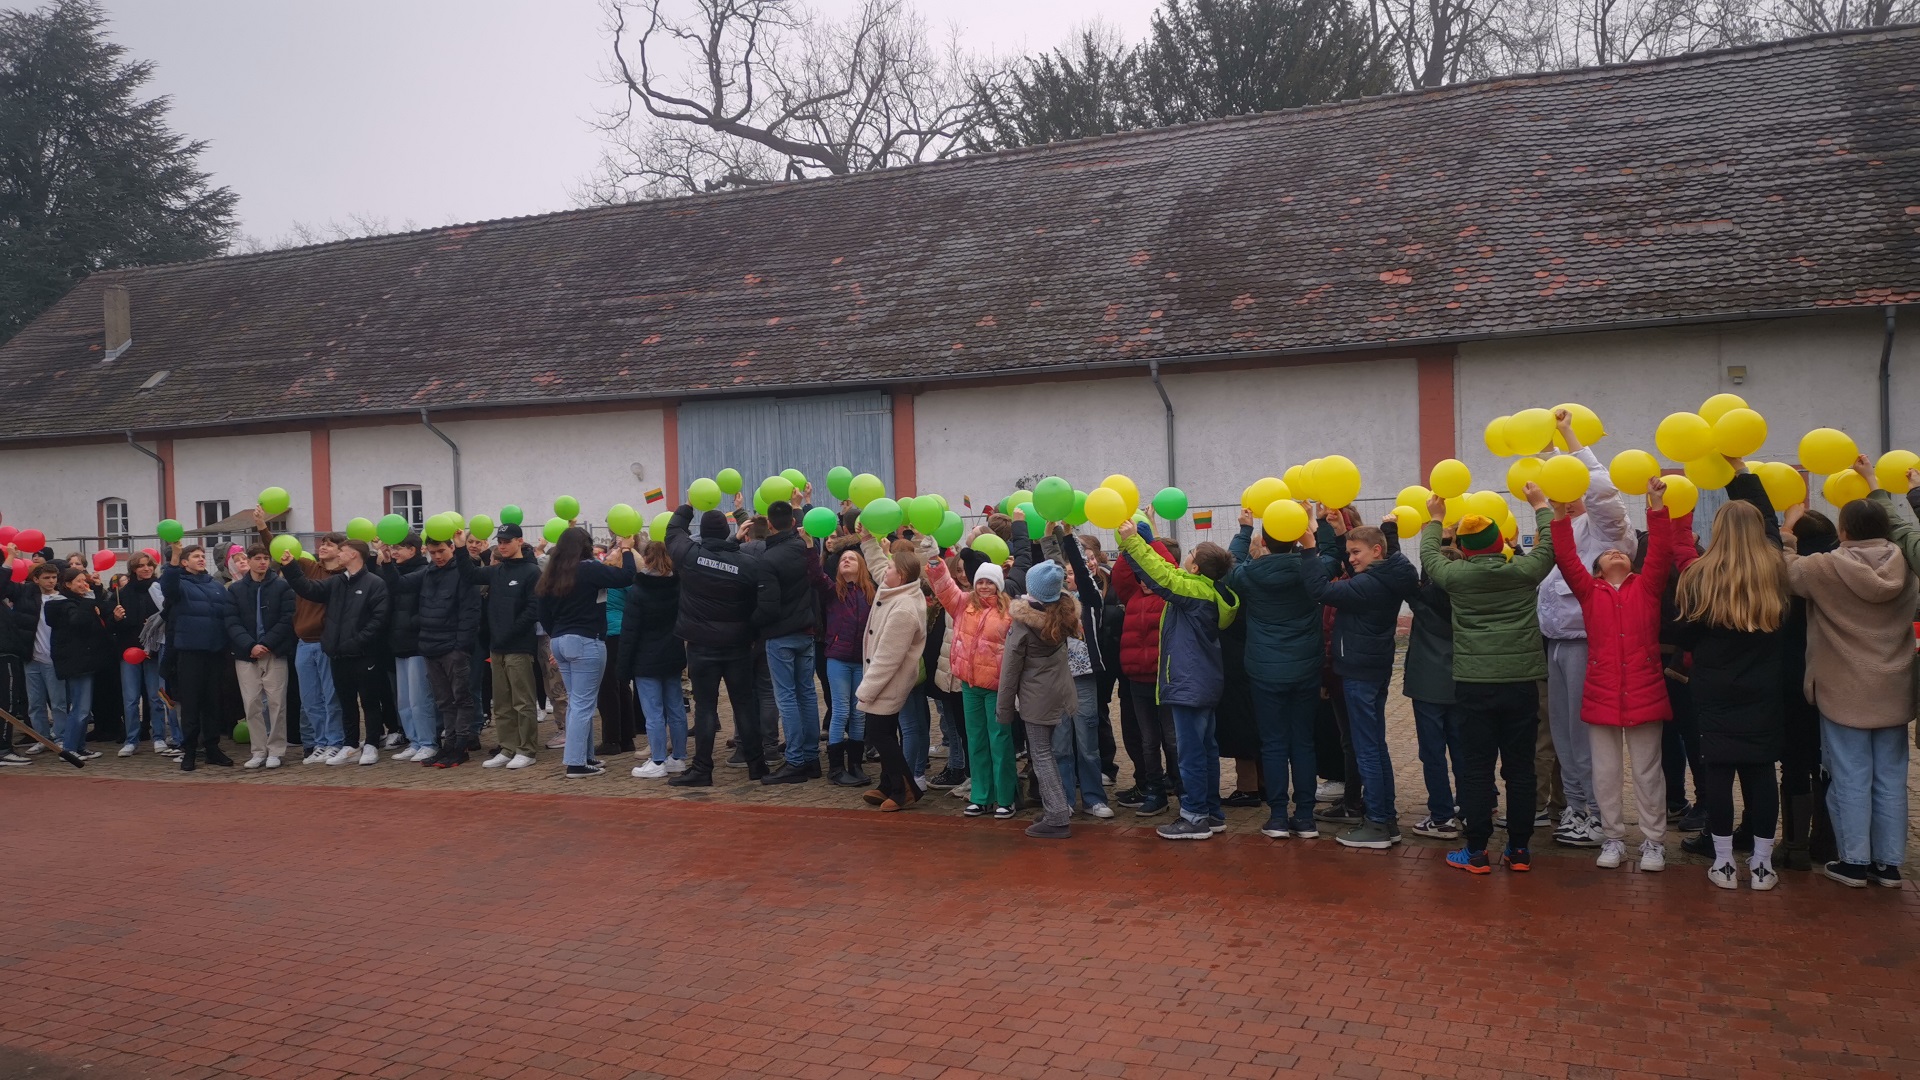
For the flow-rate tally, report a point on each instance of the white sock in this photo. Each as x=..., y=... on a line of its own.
x=1762, y=852
x=1722, y=850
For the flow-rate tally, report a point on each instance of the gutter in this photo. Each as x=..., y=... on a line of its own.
x=1886, y=384
x=1153, y=372
x=451, y=445
x=158, y=461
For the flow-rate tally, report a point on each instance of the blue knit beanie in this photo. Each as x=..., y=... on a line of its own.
x=1044, y=581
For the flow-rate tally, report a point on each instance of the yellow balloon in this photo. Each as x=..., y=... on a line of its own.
x=1496, y=437
x=1521, y=473
x=1891, y=470
x=1564, y=478
x=1410, y=521
x=1631, y=469
x=1124, y=488
x=1681, y=496
x=1684, y=436
x=1510, y=528
x=1106, y=508
x=1456, y=509
x=1415, y=496
x=1739, y=432
x=1450, y=479
x=1785, y=486
x=1285, y=521
x=1336, y=481
x=1262, y=492
x=1299, y=482
x=1844, y=487
x=1488, y=504
x=1586, y=425
x=1719, y=405
x=1529, y=431
x=1827, y=450
x=1710, y=473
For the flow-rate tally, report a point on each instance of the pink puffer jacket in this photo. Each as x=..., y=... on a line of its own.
x=979, y=634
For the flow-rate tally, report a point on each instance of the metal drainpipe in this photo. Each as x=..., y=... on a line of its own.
x=1153, y=370
x=453, y=446
x=1886, y=383
x=157, y=460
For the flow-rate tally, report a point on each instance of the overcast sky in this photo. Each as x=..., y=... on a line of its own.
x=438, y=110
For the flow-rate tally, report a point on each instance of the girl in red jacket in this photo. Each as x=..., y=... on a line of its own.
x=1625, y=700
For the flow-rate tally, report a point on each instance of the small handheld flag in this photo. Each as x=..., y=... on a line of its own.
x=1203, y=519
x=656, y=495
x=966, y=501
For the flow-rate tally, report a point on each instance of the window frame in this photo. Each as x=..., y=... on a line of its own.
x=120, y=539
x=416, y=511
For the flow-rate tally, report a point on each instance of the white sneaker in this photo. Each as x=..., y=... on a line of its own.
x=1653, y=857
x=273, y=762
x=159, y=746
x=1725, y=876
x=257, y=760
x=1330, y=790
x=35, y=748
x=318, y=756
x=962, y=791
x=676, y=766
x=426, y=754
x=404, y=755
x=921, y=783
x=652, y=770
x=497, y=760
x=392, y=740
x=343, y=755
x=369, y=754
x=1611, y=852
x=1100, y=810
x=520, y=761
x=1760, y=875
x=128, y=749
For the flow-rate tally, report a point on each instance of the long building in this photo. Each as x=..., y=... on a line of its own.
x=1199, y=305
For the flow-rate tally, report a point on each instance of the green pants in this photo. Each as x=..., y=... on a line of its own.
x=989, y=748
x=514, y=721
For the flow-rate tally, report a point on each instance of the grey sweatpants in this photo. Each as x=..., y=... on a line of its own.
x=1054, y=807
x=1566, y=678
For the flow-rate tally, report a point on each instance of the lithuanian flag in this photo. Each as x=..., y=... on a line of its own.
x=655, y=495
x=1203, y=519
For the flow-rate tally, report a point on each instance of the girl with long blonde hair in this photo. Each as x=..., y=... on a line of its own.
x=846, y=601
x=1732, y=603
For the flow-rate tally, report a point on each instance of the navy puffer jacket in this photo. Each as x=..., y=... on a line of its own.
x=196, y=610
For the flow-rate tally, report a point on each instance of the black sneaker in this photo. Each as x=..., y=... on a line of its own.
x=1243, y=798
x=1131, y=798
x=737, y=759
x=691, y=778
x=947, y=779
x=1340, y=814
x=975, y=809
x=1852, y=875
x=1153, y=805
x=581, y=772
x=12, y=757
x=1277, y=827
x=1217, y=824
x=812, y=769
x=787, y=773
x=1882, y=874
x=1693, y=819
x=1182, y=829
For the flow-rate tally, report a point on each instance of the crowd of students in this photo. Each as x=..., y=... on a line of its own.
x=1782, y=645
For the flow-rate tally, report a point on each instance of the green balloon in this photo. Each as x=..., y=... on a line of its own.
x=950, y=530
x=1053, y=498
x=554, y=527
x=392, y=529
x=275, y=501
x=1036, y=526
x=1170, y=503
x=1018, y=498
x=926, y=514
x=795, y=477
x=994, y=548
x=704, y=494
x=362, y=530
x=881, y=516
x=439, y=529
x=729, y=481
x=838, y=478
x=1077, y=516
x=481, y=526
x=939, y=498
x=566, y=506
x=241, y=734
x=760, y=503
x=284, y=546
x=170, y=530
x=776, y=489
x=623, y=520
x=820, y=522
x=512, y=515
x=865, y=488
x=657, y=528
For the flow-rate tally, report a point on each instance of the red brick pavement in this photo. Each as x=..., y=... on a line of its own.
x=241, y=930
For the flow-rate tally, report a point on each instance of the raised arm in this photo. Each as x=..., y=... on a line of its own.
x=1083, y=582
x=945, y=590
x=314, y=589
x=1566, y=555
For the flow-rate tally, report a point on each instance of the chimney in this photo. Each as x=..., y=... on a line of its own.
x=119, y=322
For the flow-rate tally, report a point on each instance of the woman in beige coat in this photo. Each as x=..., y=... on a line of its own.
x=896, y=635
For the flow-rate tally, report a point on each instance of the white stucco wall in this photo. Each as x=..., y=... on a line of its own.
x=236, y=468
x=57, y=489
x=1231, y=428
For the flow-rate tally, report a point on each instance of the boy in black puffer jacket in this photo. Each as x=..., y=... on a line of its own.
x=260, y=625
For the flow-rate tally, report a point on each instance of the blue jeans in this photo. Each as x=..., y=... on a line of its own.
x=1076, y=746
x=581, y=661
x=953, y=731
x=321, y=724
x=143, y=680
x=1868, y=797
x=790, y=664
x=1193, y=734
x=844, y=677
x=1367, y=720
x=1284, y=714
x=414, y=698
x=665, y=708
x=46, y=699
x=73, y=734
x=913, y=732
x=1437, y=727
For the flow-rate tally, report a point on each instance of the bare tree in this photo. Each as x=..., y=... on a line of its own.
x=742, y=92
x=1436, y=42
x=1790, y=17
x=358, y=226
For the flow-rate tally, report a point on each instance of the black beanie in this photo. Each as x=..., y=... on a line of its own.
x=715, y=525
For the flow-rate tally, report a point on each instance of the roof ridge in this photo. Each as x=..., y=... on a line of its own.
x=1397, y=98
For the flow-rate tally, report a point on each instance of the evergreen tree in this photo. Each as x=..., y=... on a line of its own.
x=1212, y=58
x=1060, y=96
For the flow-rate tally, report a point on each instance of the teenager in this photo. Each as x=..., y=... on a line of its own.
x=354, y=639
x=619, y=712
x=892, y=642
x=16, y=649
x=785, y=615
x=33, y=611
x=1036, y=684
x=1366, y=606
x=1497, y=668
x=447, y=610
x=1199, y=606
x=980, y=622
x=260, y=629
x=413, y=691
x=509, y=620
x=719, y=594
x=322, y=721
x=1625, y=698
x=846, y=599
x=1076, y=740
x=651, y=658
x=133, y=604
x=80, y=650
x=567, y=603
x=1145, y=729
x=196, y=607
x=1427, y=683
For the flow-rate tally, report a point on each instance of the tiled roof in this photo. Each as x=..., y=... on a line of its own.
x=1778, y=178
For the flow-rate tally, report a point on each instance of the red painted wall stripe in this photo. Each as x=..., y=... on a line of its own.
x=320, y=470
x=670, y=435
x=905, y=467
x=1438, y=438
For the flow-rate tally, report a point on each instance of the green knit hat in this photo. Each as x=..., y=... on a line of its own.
x=1477, y=535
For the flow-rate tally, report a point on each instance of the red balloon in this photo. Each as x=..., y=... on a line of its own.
x=152, y=553
x=135, y=655
x=30, y=540
x=20, y=568
x=104, y=560
x=7, y=533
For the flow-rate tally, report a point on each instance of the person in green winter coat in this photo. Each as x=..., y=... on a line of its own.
x=1497, y=663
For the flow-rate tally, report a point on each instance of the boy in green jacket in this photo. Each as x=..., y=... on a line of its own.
x=1497, y=662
